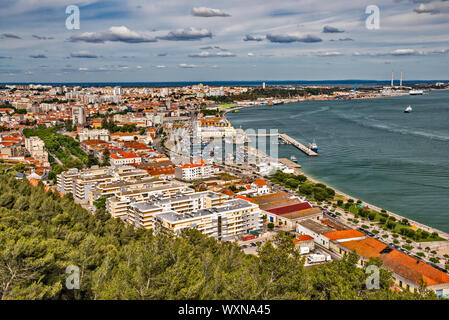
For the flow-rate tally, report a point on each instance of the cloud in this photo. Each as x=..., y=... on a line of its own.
x=328, y=54
x=208, y=54
x=160, y=66
x=249, y=37
x=329, y=29
x=402, y=52
x=115, y=34
x=250, y=54
x=286, y=38
x=345, y=39
x=187, y=34
x=405, y=52
x=42, y=37
x=162, y=54
x=10, y=36
x=83, y=54
x=38, y=56
x=188, y=66
x=5, y=57
x=424, y=9
x=213, y=47
x=208, y=12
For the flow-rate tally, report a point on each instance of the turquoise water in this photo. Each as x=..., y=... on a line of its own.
x=371, y=149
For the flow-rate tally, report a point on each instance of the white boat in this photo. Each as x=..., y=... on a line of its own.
x=408, y=109
x=313, y=146
x=293, y=158
x=415, y=92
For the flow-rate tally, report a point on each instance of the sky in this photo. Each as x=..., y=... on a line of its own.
x=233, y=40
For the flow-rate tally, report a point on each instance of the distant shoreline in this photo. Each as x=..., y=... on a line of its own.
x=251, y=83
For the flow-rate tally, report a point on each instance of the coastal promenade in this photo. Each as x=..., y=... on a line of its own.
x=397, y=216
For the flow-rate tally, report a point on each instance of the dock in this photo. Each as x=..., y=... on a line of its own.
x=297, y=144
x=287, y=139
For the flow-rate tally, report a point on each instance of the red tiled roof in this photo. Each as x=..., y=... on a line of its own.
x=398, y=262
x=303, y=237
x=260, y=183
x=344, y=234
x=244, y=198
x=291, y=208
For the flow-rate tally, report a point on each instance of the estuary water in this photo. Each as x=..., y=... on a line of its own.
x=370, y=149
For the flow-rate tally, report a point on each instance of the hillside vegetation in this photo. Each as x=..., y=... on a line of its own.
x=41, y=234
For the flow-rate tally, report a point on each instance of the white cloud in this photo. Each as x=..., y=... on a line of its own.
x=115, y=34
x=187, y=34
x=184, y=65
x=208, y=12
x=208, y=54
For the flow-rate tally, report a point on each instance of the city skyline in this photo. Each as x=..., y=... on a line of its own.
x=141, y=41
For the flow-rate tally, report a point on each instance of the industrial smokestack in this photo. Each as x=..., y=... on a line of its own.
x=392, y=78
x=400, y=82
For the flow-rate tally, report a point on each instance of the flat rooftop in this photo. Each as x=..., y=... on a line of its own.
x=172, y=216
x=315, y=226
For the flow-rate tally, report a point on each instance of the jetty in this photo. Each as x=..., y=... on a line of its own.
x=289, y=140
x=297, y=144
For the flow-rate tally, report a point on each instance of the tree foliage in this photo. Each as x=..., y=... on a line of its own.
x=41, y=233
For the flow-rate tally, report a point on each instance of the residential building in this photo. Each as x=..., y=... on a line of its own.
x=225, y=222
x=123, y=158
x=36, y=148
x=78, y=116
x=97, y=134
x=189, y=172
x=141, y=214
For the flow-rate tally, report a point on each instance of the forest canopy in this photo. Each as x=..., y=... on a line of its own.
x=42, y=233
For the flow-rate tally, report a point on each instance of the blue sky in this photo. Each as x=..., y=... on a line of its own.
x=183, y=40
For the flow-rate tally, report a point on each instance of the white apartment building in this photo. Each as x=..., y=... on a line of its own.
x=96, y=134
x=119, y=204
x=82, y=184
x=36, y=148
x=224, y=222
x=189, y=172
x=140, y=214
x=78, y=116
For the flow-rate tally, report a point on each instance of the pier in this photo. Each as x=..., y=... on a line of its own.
x=298, y=145
x=289, y=140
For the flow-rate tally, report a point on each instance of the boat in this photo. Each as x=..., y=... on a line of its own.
x=408, y=109
x=293, y=158
x=416, y=92
x=313, y=146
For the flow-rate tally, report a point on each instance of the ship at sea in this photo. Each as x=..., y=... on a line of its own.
x=293, y=158
x=416, y=92
x=408, y=109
